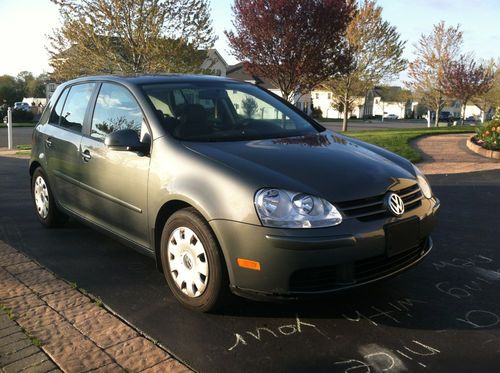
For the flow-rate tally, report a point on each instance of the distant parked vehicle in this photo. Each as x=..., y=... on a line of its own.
x=22, y=106
x=445, y=116
x=391, y=116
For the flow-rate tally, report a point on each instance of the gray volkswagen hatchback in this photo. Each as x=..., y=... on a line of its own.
x=228, y=187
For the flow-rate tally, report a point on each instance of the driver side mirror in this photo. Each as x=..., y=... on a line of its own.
x=126, y=140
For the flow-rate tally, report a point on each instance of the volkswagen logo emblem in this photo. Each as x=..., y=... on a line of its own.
x=395, y=204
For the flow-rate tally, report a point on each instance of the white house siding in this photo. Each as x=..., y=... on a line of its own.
x=302, y=102
x=218, y=67
x=382, y=108
x=471, y=110
x=322, y=99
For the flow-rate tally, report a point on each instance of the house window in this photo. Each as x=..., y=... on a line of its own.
x=317, y=96
x=329, y=96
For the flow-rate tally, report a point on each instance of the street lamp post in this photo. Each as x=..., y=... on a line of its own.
x=9, y=128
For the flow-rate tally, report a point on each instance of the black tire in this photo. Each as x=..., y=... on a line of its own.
x=217, y=290
x=53, y=217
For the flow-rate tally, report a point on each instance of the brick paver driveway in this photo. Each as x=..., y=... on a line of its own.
x=447, y=154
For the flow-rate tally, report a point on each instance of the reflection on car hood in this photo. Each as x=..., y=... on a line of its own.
x=327, y=165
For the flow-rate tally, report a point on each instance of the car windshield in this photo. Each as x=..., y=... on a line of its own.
x=225, y=112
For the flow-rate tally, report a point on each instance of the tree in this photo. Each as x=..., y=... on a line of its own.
x=10, y=90
x=191, y=22
x=30, y=85
x=36, y=87
x=491, y=98
x=465, y=78
x=249, y=107
x=129, y=36
x=295, y=44
x=427, y=75
x=376, y=53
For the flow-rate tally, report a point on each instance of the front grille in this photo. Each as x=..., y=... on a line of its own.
x=368, y=269
x=334, y=277
x=372, y=208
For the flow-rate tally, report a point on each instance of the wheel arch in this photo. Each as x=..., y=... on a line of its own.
x=33, y=166
x=166, y=210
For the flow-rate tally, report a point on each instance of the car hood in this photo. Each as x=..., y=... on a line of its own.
x=327, y=165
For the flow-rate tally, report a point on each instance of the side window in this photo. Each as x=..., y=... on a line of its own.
x=116, y=109
x=55, y=116
x=76, y=105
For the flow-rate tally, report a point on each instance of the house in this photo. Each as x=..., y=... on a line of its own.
x=322, y=99
x=239, y=72
x=50, y=88
x=454, y=107
x=383, y=101
x=215, y=62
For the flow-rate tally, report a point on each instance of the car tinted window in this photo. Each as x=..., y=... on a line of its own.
x=225, y=112
x=115, y=109
x=57, y=112
x=76, y=105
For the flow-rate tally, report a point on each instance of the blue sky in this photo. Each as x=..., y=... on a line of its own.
x=24, y=24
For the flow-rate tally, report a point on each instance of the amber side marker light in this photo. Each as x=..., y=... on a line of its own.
x=250, y=264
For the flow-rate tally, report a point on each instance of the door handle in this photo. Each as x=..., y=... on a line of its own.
x=86, y=156
x=48, y=142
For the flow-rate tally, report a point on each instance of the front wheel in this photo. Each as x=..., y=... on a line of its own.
x=46, y=210
x=192, y=261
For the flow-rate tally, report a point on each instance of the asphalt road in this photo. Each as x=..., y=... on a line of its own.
x=22, y=135
x=443, y=315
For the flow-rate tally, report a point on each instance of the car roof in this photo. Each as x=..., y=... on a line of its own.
x=154, y=79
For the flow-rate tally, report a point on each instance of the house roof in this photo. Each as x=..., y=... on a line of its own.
x=214, y=53
x=239, y=72
x=389, y=93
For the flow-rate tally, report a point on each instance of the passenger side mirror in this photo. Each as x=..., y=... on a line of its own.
x=126, y=140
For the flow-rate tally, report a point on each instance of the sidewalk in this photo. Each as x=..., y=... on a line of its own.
x=448, y=154
x=19, y=352
x=75, y=332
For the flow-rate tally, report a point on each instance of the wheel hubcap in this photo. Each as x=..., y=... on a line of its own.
x=41, y=197
x=188, y=262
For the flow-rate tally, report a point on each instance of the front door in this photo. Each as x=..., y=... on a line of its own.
x=115, y=182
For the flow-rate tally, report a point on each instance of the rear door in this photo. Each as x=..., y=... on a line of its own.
x=115, y=182
x=62, y=142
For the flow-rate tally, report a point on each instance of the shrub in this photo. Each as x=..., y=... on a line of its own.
x=21, y=116
x=488, y=135
x=317, y=113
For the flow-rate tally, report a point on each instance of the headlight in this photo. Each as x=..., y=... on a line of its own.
x=423, y=183
x=285, y=209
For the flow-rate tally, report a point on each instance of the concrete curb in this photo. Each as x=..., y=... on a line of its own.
x=74, y=329
x=4, y=152
x=494, y=154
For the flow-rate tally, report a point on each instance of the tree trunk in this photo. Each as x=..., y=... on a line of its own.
x=436, y=119
x=346, y=112
x=483, y=116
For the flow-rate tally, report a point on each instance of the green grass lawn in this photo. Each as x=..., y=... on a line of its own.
x=395, y=140
x=398, y=140
x=23, y=150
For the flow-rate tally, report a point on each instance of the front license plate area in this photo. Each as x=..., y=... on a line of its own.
x=402, y=236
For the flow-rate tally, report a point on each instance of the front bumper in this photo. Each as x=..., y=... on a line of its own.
x=300, y=263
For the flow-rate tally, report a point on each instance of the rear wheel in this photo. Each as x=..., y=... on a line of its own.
x=192, y=261
x=43, y=199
